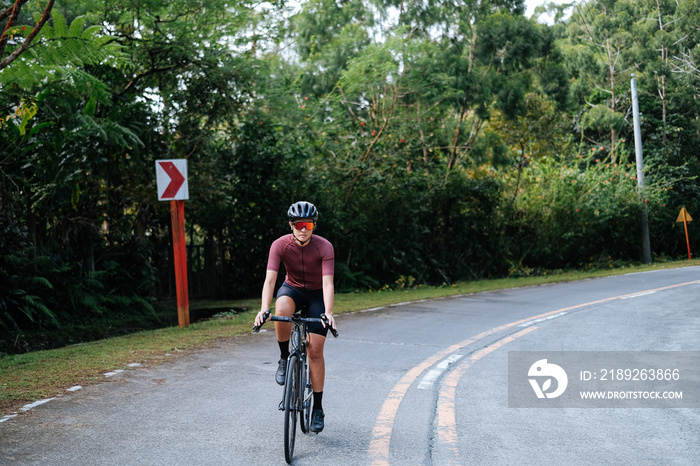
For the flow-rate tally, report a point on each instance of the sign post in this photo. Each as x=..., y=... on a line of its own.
x=685, y=217
x=171, y=177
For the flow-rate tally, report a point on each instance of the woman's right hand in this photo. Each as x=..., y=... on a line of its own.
x=262, y=317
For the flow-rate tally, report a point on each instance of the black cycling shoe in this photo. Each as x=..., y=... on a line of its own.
x=281, y=371
x=317, y=420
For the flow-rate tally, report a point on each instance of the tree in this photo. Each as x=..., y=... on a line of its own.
x=600, y=37
x=77, y=173
x=685, y=60
x=10, y=18
x=484, y=52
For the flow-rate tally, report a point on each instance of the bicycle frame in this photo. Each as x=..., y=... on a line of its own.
x=298, y=342
x=297, y=392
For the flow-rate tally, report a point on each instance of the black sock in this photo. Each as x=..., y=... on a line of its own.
x=318, y=397
x=284, y=349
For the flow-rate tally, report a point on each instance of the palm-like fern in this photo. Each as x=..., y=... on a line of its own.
x=61, y=52
x=19, y=285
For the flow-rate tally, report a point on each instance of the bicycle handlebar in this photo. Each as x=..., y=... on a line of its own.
x=256, y=328
x=296, y=318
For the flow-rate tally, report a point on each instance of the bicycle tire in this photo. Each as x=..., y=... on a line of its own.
x=305, y=399
x=291, y=403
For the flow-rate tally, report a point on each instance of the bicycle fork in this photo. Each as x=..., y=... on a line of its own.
x=302, y=376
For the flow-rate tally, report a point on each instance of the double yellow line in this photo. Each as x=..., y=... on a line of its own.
x=447, y=429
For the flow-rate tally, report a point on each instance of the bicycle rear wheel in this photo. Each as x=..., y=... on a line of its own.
x=291, y=403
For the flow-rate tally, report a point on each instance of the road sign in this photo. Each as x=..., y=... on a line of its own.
x=171, y=178
x=684, y=216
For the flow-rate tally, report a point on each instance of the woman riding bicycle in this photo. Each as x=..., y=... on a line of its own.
x=310, y=262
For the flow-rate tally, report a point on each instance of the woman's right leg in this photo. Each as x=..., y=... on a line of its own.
x=284, y=306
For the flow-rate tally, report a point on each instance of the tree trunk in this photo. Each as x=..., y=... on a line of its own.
x=455, y=140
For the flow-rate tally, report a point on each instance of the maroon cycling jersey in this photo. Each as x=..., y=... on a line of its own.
x=306, y=265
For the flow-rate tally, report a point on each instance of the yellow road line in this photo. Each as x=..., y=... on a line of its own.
x=447, y=421
x=381, y=434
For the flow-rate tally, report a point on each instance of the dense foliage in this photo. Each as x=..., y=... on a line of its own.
x=441, y=141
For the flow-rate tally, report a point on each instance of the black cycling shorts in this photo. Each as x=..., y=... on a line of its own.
x=312, y=300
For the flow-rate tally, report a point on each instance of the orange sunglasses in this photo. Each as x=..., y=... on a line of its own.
x=299, y=225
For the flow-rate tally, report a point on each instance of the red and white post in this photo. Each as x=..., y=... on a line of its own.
x=171, y=177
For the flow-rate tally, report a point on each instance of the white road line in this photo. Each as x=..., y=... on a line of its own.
x=638, y=295
x=379, y=308
x=35, y=404
x=379, y=446
x=446, y=450
x=531, y=322
x=433, y=374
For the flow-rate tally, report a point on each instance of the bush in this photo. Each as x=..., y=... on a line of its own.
x=577, y=213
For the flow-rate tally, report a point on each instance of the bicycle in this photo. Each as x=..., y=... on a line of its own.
x=297, y=391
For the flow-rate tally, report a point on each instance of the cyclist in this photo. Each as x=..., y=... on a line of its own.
x=310, y=262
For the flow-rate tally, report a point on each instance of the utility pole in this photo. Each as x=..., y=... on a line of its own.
x=640, y=172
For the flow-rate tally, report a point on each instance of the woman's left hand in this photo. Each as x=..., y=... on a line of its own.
x=331, y=320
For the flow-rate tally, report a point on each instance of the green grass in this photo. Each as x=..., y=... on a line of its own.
x=33, y=376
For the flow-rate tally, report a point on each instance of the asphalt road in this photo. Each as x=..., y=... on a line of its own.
x=423, y=383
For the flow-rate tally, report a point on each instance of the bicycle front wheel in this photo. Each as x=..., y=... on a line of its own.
x=305, y=395
x=291, y=403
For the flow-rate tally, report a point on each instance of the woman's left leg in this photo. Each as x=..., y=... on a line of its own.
x=317, y=364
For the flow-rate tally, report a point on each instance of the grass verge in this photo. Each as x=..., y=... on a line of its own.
x=26, y=378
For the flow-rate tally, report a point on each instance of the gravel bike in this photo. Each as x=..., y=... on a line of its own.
x=297, y=392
